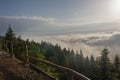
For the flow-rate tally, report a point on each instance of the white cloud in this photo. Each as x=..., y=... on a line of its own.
x=55, y=22
x=91, y=43
x=47, y=26
x=40, y=18
x=62, y=23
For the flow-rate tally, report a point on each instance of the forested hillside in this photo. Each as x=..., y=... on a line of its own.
x=100, y=68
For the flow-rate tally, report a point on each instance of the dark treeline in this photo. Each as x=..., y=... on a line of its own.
x=100, y=68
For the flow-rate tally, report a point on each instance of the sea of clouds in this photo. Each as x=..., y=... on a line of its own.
x=89, y=43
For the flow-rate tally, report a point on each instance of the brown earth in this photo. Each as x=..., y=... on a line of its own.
x=14, y=69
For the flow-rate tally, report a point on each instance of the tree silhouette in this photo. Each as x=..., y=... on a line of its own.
x=10, y=36
x=104, y=65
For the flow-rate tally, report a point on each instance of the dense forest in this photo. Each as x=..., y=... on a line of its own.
x=100, y=68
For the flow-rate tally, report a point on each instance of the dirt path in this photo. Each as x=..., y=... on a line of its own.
x=7, y=75
x=14, y=69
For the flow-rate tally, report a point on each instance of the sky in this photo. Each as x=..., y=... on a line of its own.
x=48, y=17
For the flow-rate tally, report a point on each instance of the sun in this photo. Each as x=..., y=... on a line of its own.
x=116, y=7
x=116, y=4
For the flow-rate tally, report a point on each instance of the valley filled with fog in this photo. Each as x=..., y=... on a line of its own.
x=89, y=43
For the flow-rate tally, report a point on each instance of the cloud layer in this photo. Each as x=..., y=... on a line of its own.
x=43, y=19
x=51, y=26
x=89, y=43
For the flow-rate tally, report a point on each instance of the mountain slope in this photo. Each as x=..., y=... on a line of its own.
x=14, y=69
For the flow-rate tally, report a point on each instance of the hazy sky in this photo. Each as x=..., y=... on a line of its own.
x=59, y=16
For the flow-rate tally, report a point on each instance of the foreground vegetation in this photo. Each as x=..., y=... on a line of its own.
x=100, y=68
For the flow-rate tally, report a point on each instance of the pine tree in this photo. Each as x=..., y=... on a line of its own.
x=79, y=62
x=10, y=36
x=92, y=60
x=93, y=68
x=104, y=65
x=117, y=62
x=19, y=48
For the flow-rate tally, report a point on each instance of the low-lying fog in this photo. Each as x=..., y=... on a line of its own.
x=89, y=43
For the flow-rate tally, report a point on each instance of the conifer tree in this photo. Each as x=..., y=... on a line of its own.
x=104, y=65
x=10, y=33
x=10, y=36
x=117, y=62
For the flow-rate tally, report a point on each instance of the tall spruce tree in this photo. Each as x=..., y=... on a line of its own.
x=10, y=33
x=117, y=62
x=104, y=65
x=9, y=39
x=92, y=68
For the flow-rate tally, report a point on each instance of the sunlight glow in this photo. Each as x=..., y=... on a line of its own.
x=116, y=7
